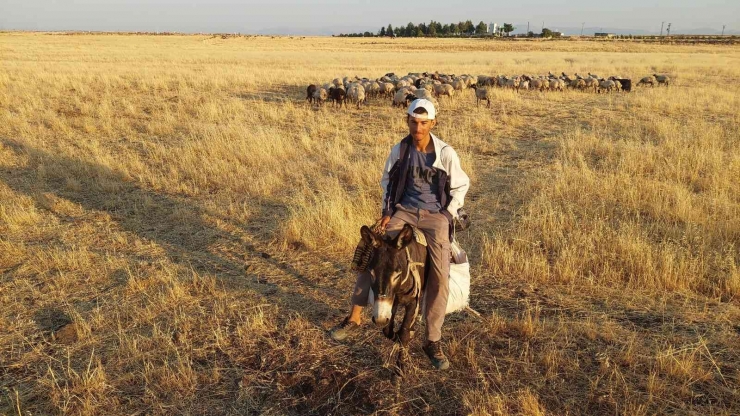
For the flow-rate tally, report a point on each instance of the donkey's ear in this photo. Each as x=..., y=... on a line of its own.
x=369, y=237
x=405, y=237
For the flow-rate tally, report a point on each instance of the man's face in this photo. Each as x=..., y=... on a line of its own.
x=419, y=128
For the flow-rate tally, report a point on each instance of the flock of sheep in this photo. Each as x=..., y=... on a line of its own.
x=432, y=86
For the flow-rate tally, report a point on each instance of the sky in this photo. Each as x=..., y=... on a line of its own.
x=333, y=16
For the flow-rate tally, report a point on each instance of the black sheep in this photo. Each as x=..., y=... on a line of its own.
x=309, y=93
x=338, y=95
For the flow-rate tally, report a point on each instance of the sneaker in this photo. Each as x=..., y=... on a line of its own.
x=343, y=330
x=433, y=350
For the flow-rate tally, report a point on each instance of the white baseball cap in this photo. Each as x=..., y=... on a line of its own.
x=426, y=105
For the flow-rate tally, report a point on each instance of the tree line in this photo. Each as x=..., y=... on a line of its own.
x=433, y=29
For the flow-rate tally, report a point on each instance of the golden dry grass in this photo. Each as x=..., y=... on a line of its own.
x=176, y=224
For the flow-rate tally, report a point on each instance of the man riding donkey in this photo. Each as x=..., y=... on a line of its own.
x=425, y=190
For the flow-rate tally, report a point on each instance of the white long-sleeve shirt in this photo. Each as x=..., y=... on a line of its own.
x=446, y=159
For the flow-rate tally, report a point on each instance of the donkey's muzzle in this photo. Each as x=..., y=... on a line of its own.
x=382, y=312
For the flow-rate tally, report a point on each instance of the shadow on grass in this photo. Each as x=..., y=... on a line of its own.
x=189, y=239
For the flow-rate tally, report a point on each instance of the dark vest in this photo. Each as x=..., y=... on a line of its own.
x=397, y=181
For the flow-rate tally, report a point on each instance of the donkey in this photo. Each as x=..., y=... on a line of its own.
x=397, y=268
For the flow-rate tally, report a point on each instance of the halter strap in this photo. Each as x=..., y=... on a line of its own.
x=412, y=270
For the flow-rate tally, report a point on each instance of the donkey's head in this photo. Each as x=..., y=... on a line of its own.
x=389, y=269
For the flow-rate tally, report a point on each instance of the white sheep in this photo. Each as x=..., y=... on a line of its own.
x=401, y=98
x=482, y=94
x=647, y=81
x=459, y=84
x=444, y=89
x=387, y=89
x=320, y=95
x=356, y=93
x=606, y=84
x=556, y=84
x=662, y=79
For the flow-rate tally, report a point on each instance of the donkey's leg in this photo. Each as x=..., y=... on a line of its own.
x=404, y=336
x=389, y=330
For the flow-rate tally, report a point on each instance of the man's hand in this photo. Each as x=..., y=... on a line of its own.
x=384, y=222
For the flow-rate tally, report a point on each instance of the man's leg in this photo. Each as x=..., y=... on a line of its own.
x=436, y=230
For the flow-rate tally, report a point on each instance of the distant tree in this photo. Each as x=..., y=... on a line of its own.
x=469, y=28
x=508, y=28
x=530, y=34
x=445, y=30
x=382, y=31
x=481, y=28
x=423, y=28
x=419, y=33
x=368, y=34
x=389, y=30
x=398, y=32
x=546, y=33
x=432, y=30
x=410, y=30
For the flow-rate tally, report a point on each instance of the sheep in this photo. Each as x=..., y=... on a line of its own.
x=591, y=83
x=524, y=85
x=512, y=83
x=606, y=84
x=338, y=95
x=387, y=89
x=481, y=94
x=459, y=84
x=401, y=84
x=356, y=94
x=444, y=89
x=320, y=95
x=578, y=84
x=402, y=98
x=423, y=93
x=625, y=83
x=538, y=84
x=556, y=84
x=662, y=79
x=647, y=81
x=373, y=89
x=337, y=82
x=309, y=92
x=429, y=86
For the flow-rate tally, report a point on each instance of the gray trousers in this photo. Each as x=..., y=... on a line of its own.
x=436, y=230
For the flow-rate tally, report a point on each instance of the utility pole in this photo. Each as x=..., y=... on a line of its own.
x=661, y=28
x=582, y=28
x=668, y=30
x=543, y=25
x=723, y=30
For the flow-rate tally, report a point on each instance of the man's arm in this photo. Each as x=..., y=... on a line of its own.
x=386, y=208
x=459, y=181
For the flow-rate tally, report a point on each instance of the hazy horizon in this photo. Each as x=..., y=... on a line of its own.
x=332, y=16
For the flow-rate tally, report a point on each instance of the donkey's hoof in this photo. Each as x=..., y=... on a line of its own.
x=389, y=333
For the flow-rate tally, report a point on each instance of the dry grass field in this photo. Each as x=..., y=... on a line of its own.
x=176, y=226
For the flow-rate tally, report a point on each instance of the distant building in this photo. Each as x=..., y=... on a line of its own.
x=604, y=35
x=492, y=28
